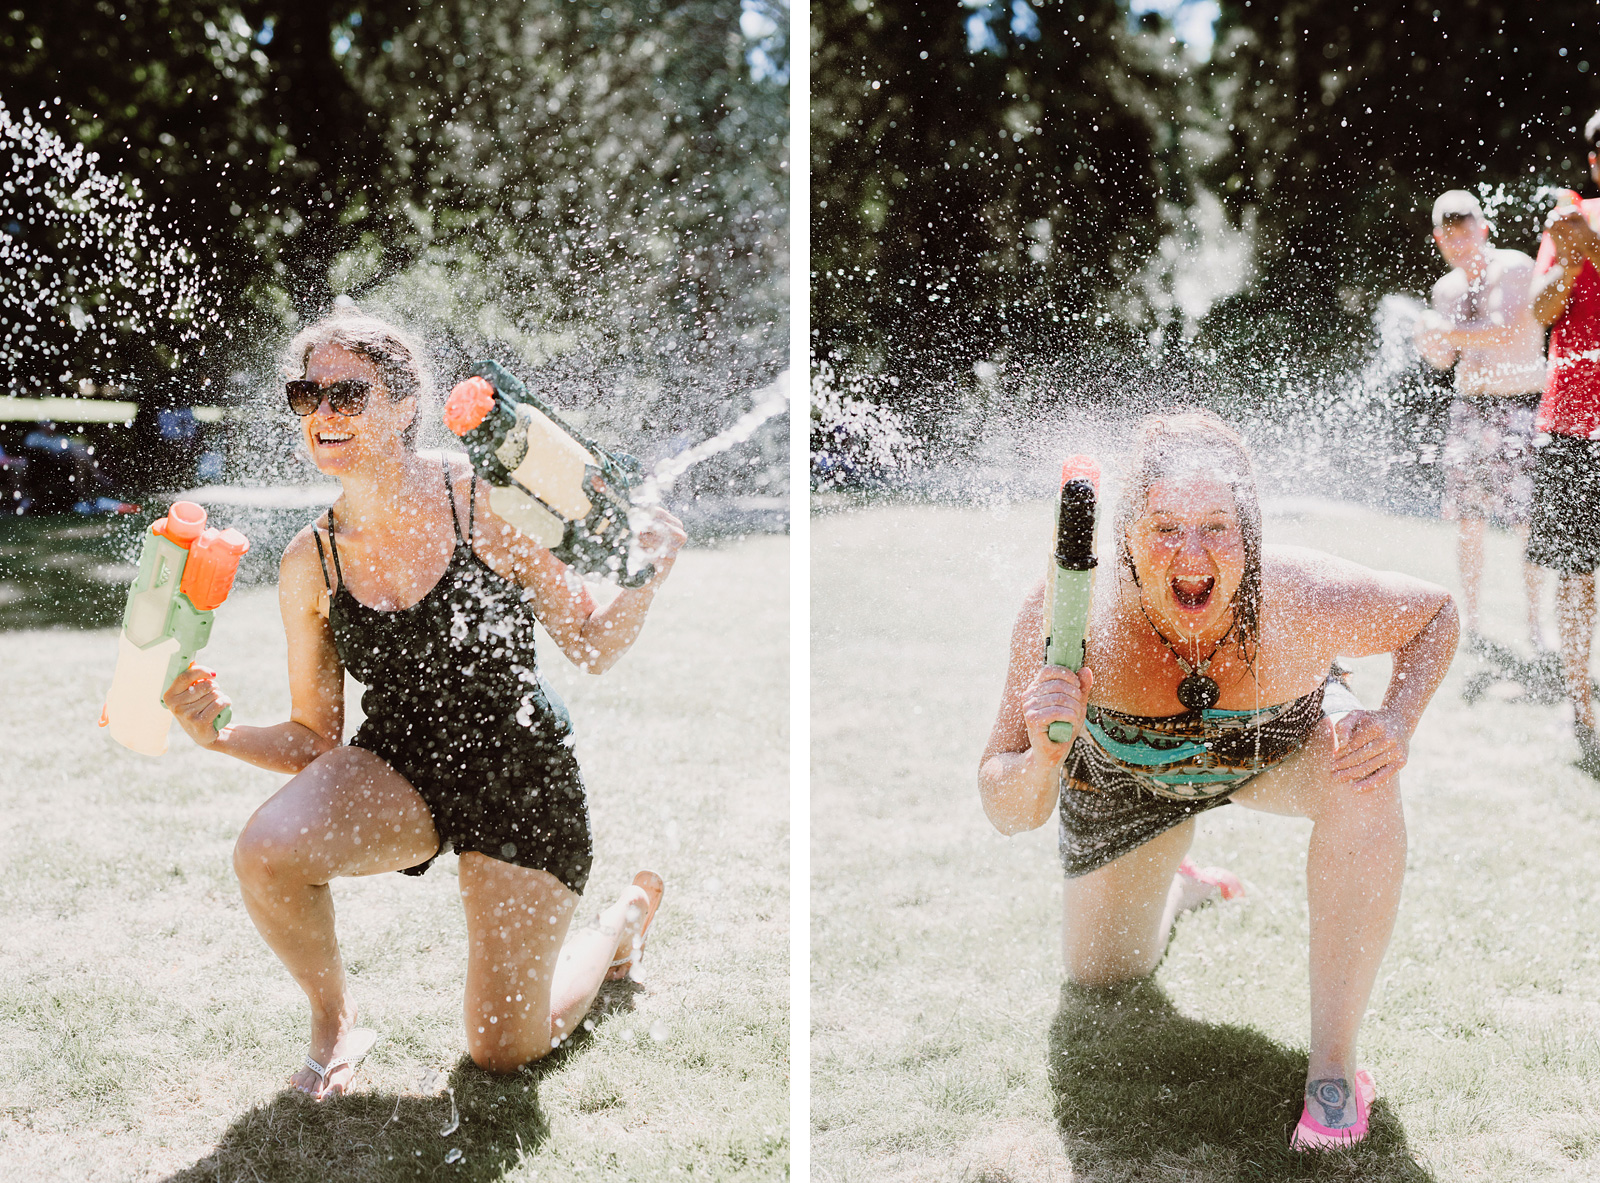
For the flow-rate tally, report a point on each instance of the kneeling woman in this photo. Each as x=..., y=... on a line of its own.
x=1206, y=680
x=416, y=588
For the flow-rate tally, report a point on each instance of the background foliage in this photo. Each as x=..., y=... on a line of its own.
x=1066, y=190
x=599, y=188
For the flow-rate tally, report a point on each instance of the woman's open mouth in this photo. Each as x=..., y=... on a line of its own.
x=1192, y=593
x=331, y=439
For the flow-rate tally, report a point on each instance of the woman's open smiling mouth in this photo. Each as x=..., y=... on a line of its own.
x=1192, y=593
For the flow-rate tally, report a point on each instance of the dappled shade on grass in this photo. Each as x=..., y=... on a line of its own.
x=1136, y=1083
x=384, y=1136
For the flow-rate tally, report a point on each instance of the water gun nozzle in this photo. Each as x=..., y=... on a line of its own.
x=1081, y=468
x=183, y=524
x=468, y=405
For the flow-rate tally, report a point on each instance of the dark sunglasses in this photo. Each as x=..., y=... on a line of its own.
x=348, y=396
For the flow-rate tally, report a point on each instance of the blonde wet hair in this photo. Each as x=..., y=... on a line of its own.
x=1185, y=443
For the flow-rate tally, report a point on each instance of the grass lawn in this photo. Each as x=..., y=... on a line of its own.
x=945, y=1046
x=147, y=1031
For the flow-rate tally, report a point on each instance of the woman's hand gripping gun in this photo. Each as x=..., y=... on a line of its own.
x=185, y=572
x=1072, y=572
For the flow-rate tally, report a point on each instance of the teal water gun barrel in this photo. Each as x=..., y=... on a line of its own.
x=546, y=479
x=1072, y=572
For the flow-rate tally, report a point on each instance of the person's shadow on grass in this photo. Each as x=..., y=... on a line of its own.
x=1136, y=1086
x=370, y=1136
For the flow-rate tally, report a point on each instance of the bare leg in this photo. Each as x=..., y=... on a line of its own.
x=526, y=990
x=1116, y=920
x=1354, y=870
x=1469, y=559
x=1575, y=612
x=1533, y=588
x=347, y=813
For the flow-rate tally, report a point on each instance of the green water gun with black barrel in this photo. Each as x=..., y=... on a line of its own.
x=1072, y=572
x=545, y=478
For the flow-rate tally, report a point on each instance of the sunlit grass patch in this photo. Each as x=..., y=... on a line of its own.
x=944, y=1047
x=148, y=1031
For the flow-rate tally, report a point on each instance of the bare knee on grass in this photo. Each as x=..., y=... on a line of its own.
x=517, y=919
x=1115, y=920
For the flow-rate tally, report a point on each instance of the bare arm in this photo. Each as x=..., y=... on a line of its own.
x=593, y=639
x=1366, y=612
x=1480, y=336
x=1017, y=776
x=1551, y=290
x=316, y=680
x=1431, y=337
x=1572, y=241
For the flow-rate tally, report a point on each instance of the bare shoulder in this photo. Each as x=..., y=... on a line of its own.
x=459, y=467
x=302, y=551
x=1303, y=566
x=1304, y=577
x=1446, y=287
x=300, y=571
x=1357, y=609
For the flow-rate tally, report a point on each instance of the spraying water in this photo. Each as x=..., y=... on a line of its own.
x=769, y=402
x=85, y=266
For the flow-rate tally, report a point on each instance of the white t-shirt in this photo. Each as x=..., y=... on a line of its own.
x=1502, y=300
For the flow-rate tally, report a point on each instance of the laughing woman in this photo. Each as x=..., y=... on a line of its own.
x=1206, y=680
x=412, y=584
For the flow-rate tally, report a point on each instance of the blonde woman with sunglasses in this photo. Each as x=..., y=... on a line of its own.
x=415, y=587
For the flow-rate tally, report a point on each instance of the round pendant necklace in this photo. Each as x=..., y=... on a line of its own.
x=1199, y=690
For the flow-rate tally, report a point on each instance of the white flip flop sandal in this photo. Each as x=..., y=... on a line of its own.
x=360, y=1041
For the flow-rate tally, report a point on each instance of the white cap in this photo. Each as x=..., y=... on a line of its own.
x=1456, y=203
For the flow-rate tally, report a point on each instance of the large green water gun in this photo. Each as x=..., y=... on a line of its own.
x=1072, y=572
x=185, y=572
x=545, y=478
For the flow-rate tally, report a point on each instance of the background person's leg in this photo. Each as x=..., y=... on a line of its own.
x=1469, y=561
x=347, y=813
x=1533, y=589
x=1575, y=612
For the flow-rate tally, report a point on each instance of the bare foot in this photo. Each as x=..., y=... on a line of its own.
x=642, y=900
x=1194, y=894
x=327, y=1035
x=1199, y=886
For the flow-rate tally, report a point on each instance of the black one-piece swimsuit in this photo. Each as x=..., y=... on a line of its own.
x=455, y=704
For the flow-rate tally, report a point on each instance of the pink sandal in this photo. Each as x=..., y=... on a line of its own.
x=1313, y=1135
x=1221, y=878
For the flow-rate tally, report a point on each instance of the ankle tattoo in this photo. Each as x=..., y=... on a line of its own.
x=1332, y=1093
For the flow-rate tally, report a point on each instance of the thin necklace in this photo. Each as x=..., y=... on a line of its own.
x=1198, y=691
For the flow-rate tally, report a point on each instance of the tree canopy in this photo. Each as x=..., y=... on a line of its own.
x=596, y=187
x=1027, y=183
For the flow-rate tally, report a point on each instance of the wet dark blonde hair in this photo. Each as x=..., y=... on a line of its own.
x=1189, y=443
x=396, y=354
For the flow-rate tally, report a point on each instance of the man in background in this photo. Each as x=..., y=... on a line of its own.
x=1481, y=321
x=1565, y=532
